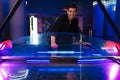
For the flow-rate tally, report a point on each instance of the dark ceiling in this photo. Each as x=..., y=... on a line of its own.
x=48, y=7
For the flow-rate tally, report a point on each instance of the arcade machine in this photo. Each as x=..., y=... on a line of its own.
x=89, y=58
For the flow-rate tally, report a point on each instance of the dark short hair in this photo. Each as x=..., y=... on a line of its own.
x=72, y=6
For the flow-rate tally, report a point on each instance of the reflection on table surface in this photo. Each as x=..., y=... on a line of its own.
x=39, y=45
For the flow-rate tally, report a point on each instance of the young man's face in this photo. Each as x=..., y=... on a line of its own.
x=71, y=13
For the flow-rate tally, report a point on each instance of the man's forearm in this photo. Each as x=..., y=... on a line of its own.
x=53, y=38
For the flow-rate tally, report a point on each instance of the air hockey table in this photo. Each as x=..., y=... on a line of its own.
x=32, y=58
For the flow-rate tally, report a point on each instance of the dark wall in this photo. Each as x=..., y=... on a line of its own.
x=87, y=12
x=46, y=7
x=14, y=25
x=4, y=34
x=54, y=7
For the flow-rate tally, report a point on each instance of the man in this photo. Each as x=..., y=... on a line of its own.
x=66, y=23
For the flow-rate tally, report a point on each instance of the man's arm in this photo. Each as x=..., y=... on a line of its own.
x=55, y=28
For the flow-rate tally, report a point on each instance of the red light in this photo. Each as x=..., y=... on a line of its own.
x=112, y=44
x=7, y=43
x=5, y=47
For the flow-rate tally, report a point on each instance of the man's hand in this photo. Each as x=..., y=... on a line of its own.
x=53, y=42
x=54, y=45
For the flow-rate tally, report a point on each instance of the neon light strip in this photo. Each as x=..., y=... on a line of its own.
x=59, y=69
x=33, y=30
x=41, y=61
x=59, y=52
x=90, y=60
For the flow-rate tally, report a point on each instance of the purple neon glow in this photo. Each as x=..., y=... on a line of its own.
x=4, y=73
x=1, y=77
x=113, y=71
x=115, y=49
x=8, y=64
x=0, y=45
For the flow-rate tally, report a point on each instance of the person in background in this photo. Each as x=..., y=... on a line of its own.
x=64, y=24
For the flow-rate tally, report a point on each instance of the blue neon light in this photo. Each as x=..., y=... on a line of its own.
x=59, y=69
x=59, y=52
x=85, y=60
x=39, y=61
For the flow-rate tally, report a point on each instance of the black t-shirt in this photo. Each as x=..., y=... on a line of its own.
x=63, y=29
x=62, y=24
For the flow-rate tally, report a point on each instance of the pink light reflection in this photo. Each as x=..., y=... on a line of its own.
x=113, y=71
x=4, y=73
x=6, y=44
x=2, y=46
x=112, y=50
x=1, y=77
